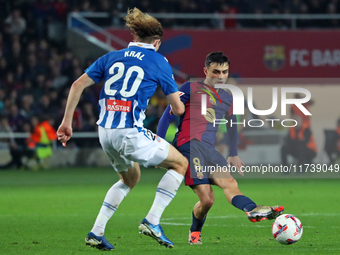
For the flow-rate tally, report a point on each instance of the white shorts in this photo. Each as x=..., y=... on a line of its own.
x=123, y=146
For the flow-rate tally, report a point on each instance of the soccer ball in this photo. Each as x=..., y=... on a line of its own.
x=287, y=229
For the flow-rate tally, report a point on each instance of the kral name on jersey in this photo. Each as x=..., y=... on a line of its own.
x=118, y=105
x=134, y=54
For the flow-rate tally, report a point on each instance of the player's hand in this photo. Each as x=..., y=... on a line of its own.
x=237, y=162
x=64, y=133
x=171, y=113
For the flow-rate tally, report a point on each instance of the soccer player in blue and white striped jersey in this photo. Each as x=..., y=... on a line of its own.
x=131, y=76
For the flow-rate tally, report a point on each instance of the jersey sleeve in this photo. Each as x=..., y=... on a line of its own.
x=165, y=120
x=232, y=132
x=96, y=71
x=185, y=92
x=166, y=78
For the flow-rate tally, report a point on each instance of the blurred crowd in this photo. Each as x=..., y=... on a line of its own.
x=217, y=6
x=229, y=7
x=36, y=72
x=35, y=77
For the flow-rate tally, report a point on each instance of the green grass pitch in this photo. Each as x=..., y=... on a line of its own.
x=51, y=212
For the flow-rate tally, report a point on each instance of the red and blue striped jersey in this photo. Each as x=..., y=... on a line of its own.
x=194, y=125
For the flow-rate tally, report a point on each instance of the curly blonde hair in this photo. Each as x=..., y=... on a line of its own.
x=145, y=27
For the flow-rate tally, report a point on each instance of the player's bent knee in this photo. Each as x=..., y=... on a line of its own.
x=136, y=180
x=226, y=183
x=207, y=203
x=230, y=183
x=133, y=182
x=233, y=183
x=183, y=165
x=130, y=180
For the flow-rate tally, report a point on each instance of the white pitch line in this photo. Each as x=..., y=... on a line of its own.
x=240, y=216
x=211, y=217
x=320, y=214
x=219, y=225
x=175, y=224
x=166, y=220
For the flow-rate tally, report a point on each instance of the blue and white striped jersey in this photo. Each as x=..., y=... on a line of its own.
x=131, y=77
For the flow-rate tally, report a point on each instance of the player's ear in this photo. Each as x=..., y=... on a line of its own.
x=157, y=43
x=205, y=70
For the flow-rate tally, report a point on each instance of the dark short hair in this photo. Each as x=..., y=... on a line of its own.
x=216, y=57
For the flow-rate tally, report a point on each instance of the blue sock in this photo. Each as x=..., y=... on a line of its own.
x=243, y=203
x=196, y=223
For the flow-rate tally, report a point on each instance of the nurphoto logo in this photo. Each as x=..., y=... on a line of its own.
x=238, y=104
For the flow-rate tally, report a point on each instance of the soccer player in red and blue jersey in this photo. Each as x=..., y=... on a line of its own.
x=195, y=140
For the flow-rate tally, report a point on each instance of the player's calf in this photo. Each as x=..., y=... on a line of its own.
x=175, y=161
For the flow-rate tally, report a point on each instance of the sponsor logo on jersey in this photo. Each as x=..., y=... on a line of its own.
x=210, y=116
x=118, y=105
x=212, y=101
x=211, y=95
x=180, y=93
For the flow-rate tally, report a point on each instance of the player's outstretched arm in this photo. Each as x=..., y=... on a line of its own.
x=237, y=162
x=164, y=122
x=177, y=106
x=64, y=131
x=232, y=135
x=233, y=158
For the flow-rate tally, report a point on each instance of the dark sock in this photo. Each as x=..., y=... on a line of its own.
x=243, y=203
x=196, y=223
